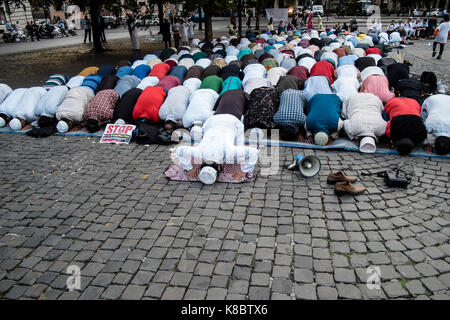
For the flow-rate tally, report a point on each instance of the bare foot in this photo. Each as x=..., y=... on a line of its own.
x=192, y=174
x=238, y=175
x=428, y=148
x=330, y=141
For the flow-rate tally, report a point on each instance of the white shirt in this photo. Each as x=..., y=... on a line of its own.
x=200, y=108
x=73, y=106
x=10, y=103
x=307, y=62
x=222, y=142
x=345, y=87
x=28, y=103
x=175, y=105
x=371, y=71
x=254, y=70
x=150, y=81
x=347, y=71
x=75, y=82
x=192, y=84
x=442, y=36
x=315, y=85
x=5, y=90
x=50, y=102
x=363, y=114
x=255, y=83
x=191, y=29
x=436, y=114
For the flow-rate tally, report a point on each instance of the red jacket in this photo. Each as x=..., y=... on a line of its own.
x=401, y=107
x=323, y=68
x=149, y=103
x=160, y=70
x=373, y=51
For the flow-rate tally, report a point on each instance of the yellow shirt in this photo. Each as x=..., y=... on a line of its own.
x=88, y=71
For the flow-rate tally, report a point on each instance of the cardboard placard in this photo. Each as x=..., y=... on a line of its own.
x=118, y=133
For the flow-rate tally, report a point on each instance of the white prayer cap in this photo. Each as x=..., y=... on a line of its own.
x=62, y=127
x=15, y=124
x=367, y=145
x=2, y=122
x=120, y=121
x=321, y=138
x=208, y=175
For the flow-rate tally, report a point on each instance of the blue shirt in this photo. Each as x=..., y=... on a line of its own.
x=324, y=111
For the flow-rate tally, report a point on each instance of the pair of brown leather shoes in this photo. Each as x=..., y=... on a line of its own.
x=344, y=184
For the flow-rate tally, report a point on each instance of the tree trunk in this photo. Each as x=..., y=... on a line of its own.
x=160, y=14
x=240, y=18
x=200, y=18
x=95, y=13
x=257, y=16
x=208, y=26
x=276, y=4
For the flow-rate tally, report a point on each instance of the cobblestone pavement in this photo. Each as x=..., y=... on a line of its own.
x=135, y=235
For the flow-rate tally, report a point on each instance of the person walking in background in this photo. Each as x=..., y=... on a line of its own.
x=249, y=20
x=441, y=36
x=165, y=30
x=102, y=25
x=87, y=28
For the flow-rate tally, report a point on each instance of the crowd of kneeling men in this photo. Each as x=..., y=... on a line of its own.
x=312, y=86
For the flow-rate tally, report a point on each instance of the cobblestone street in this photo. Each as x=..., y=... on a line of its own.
x=135, y=235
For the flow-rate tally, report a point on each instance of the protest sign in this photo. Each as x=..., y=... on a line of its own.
x=118, y=133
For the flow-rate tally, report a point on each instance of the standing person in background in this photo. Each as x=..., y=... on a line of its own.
x=441, y=36
x=102, y=25
x=191, y=30
x=184, y=29
x=165, y=30
x=18, y=26
x=176, y=32
x=134, y=33
x=87, y=28
x=310, y=21
x=270, y=24
x=249, y=20
x=29, y=28
x=432, y=24
x=233, y=20
x=295, y=20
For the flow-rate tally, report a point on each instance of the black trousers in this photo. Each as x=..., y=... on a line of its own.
x=86, y=32
x=441, y=47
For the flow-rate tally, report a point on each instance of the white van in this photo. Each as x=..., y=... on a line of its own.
x=317, y=10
